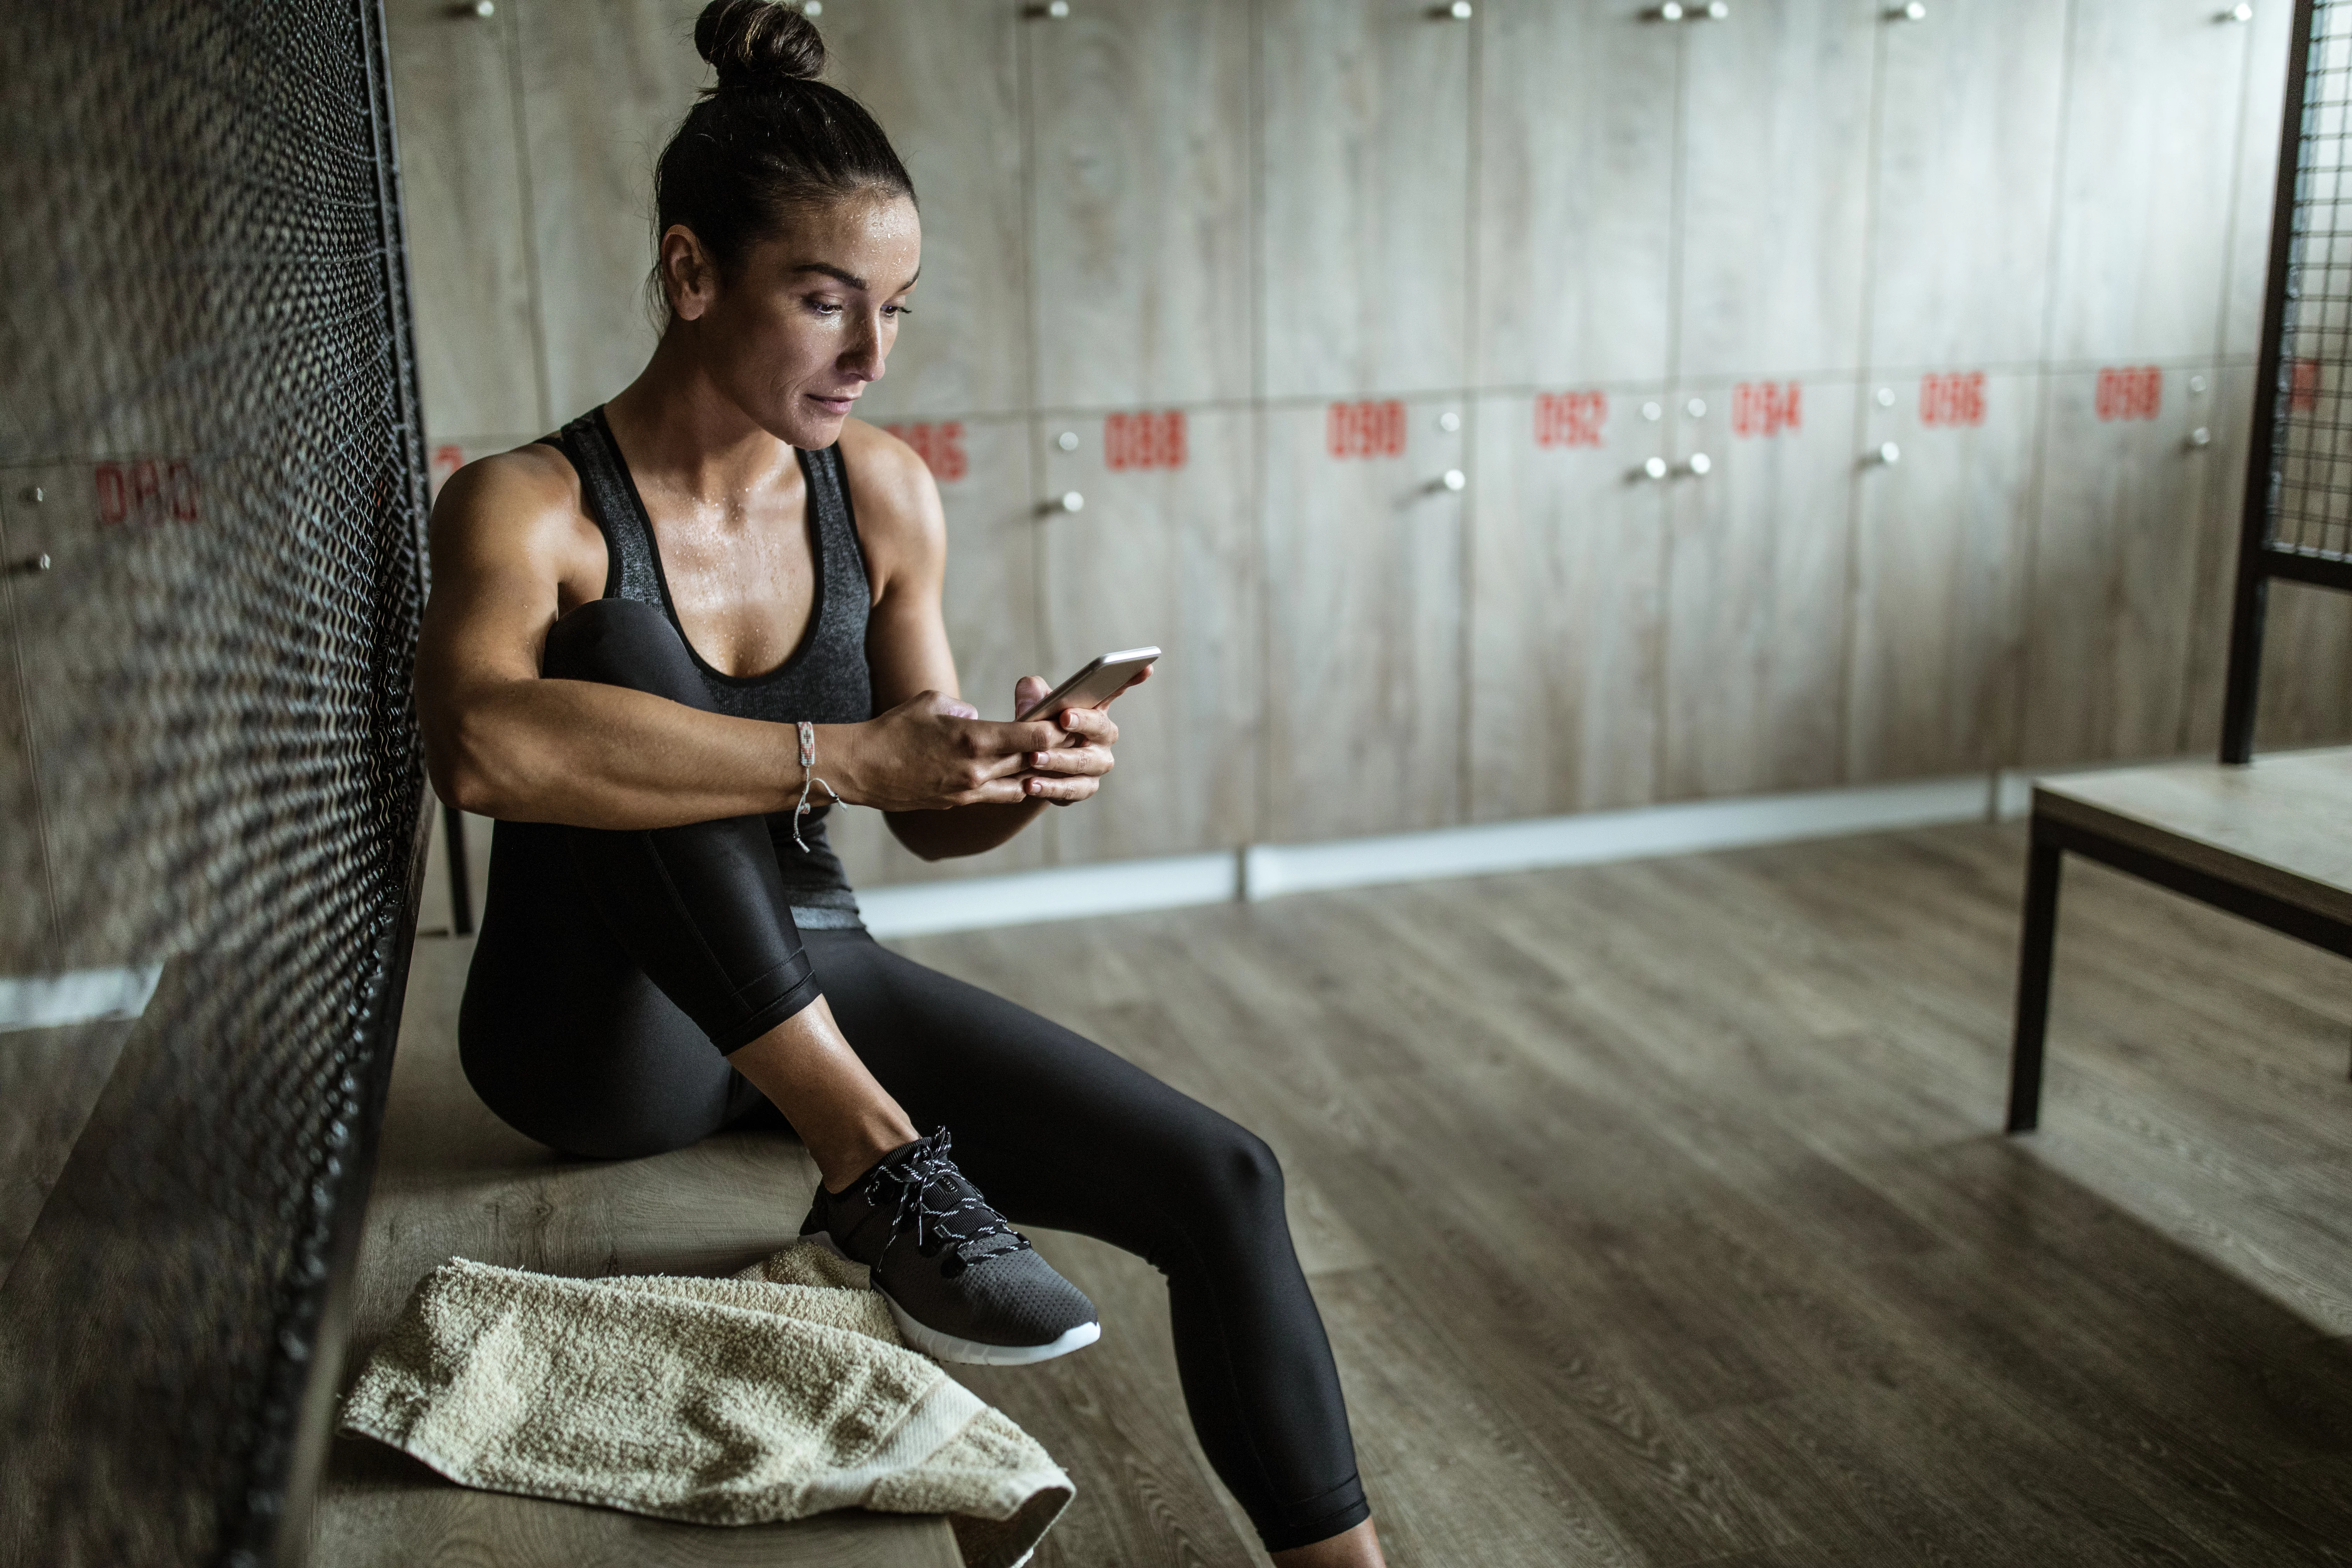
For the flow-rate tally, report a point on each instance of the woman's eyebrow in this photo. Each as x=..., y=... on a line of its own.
x=852, y=279
x=830, y=270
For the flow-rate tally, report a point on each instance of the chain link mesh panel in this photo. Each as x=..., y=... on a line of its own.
x=208, y=433
x=2311, y=514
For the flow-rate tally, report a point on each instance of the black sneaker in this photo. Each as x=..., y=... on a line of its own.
x=964, y=1285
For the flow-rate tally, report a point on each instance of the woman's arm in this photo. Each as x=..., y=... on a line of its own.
x=512, y=551
x=903, y=528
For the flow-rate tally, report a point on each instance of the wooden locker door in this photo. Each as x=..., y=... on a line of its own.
x=28, y=940
x=463, y=199
x=1364, y=608
x=1139, y=250
x=1164, y=553
x=1940, y=554
x=1576, y=187
x=2154, y=97
x=605, y=82
x=1364, y=172
x=1968, y=138
x=2117, y=553
x=1756, y=587
x=120, y=533
x=944, y=82
x=1776, y=107
x=2268, y=36
x=1568, y=557
x=982, y=467
x=2305, y=698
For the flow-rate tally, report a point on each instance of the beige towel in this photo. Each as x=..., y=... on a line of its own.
x=779, y=1394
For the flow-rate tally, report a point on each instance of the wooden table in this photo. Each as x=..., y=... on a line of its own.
x=2271, y=841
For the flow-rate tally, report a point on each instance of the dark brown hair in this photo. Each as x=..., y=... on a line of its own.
x=769, y=139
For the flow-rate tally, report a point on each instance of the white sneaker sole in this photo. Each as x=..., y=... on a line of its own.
x=947, y=1347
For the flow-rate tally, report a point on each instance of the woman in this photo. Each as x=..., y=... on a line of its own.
x=652, y=638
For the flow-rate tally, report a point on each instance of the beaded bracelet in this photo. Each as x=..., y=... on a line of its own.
x=808, y=778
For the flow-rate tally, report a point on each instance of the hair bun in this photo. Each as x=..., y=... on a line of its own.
x=759, y=43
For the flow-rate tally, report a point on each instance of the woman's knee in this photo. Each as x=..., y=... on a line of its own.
x=621, y=642
x=1234, y=1169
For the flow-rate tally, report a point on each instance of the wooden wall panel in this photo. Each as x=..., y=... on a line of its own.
x=1967, y=154
x=1756, y=591
x=1243, y=208
x=469, y=255
x=1167, y=556
x=27, y=931
x=1364, y=167
x=944, y=77
x=1568, y=557
x=2118, y=557
x=1141, y=242
x=991, y=604
x=1576, y=183
x=1939, y=554
x=1776, y=107
x=2154, y=89
x=604, y=83
x=1363, y=584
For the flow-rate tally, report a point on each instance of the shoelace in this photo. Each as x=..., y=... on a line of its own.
x=928, y=1169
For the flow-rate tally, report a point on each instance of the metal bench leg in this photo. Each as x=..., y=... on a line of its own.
x=461, y=885
x=2035, y=955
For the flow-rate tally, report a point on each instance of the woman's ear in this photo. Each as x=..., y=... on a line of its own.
x=689, y=278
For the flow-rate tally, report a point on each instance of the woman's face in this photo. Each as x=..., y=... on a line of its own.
x=795, y=336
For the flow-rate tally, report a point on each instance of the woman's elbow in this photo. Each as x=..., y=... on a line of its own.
x=463, y=770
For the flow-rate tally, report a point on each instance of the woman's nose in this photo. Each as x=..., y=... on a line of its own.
x=863, y=356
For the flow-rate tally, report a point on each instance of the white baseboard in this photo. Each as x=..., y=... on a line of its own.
x=1273, y=869
x=1064, y=892
x=1270, y=870
x=50, y=1001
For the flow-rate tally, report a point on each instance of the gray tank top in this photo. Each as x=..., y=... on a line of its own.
x=824, y=680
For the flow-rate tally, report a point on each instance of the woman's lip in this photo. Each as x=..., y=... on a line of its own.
x=840, y=404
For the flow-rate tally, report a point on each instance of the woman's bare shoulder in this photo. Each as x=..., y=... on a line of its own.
x=900, y=521
x=523, y=504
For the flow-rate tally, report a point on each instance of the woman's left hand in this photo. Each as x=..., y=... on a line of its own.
x=1074, y=771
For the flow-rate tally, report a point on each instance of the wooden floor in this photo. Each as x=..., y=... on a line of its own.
x=1657, y=1213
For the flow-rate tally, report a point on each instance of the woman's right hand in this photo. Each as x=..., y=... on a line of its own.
x=931, y=752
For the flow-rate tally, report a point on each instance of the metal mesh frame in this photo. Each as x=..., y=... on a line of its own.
x=209, y=426
x=2298, y=512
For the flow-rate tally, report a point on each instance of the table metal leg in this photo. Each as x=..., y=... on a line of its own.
x=2035, y=951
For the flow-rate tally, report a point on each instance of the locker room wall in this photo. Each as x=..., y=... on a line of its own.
x=1347, y=246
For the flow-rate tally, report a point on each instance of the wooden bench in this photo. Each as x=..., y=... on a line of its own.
x=452, y=1178
x=2270, y=840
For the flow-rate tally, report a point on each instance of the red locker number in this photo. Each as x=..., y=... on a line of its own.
x=2131, y=392
x=1957, y=397
x=2303, y=387
x=1766, y=407
x=940, y=446
x=1570, y=419
x=1365, y=429
x=146, y=491
x=1144, y=440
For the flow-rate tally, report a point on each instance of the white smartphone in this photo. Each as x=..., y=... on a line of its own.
x=1094, y=685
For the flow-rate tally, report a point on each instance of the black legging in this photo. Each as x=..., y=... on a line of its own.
x=611, y=962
